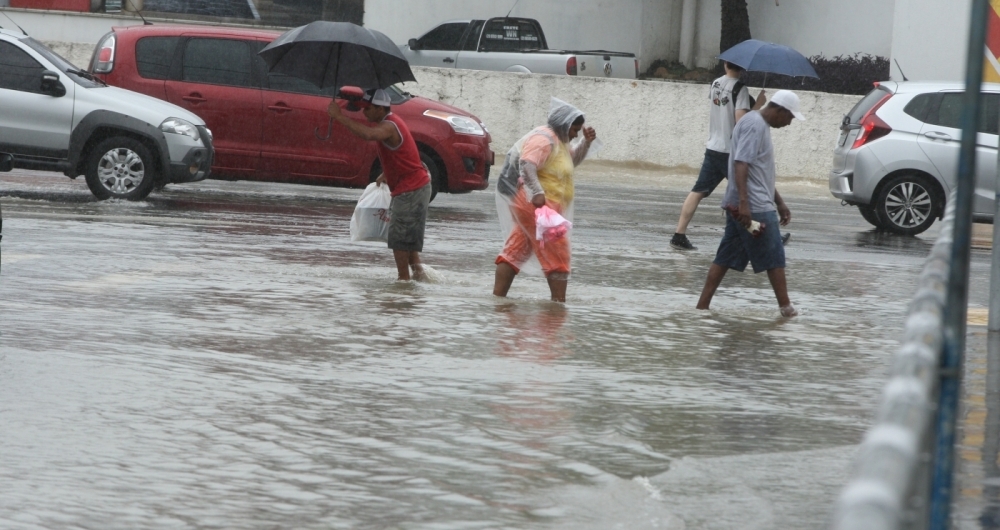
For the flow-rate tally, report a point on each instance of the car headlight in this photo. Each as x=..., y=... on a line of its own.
x=181, y=127
x=460, y=124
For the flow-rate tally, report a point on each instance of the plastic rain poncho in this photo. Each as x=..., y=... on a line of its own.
x=521, y=179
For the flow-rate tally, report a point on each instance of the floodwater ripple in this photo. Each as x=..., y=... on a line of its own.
x=252, y=368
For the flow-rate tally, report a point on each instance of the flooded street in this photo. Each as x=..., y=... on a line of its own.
x=222, y=356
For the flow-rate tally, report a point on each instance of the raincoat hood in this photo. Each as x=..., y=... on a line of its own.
x=561, y=118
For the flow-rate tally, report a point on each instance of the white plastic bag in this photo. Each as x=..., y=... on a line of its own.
x=370, y=221
x=550, y=226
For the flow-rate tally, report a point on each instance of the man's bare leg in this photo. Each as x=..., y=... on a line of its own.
x=402, y=258
x=780, y=286
x=418, y=268
x=715, y=275
x=687, y=211
x=558, y=289
x=504, y=278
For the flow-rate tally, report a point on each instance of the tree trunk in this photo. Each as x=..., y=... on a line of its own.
x=735, y=24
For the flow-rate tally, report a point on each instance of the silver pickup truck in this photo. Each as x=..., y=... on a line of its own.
x=511, y=45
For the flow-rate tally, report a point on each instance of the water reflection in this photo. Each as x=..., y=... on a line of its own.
x=882, y=239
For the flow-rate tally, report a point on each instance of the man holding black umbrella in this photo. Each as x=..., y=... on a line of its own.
x=407, y=178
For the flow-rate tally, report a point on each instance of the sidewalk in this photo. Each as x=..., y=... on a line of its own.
x=982, y=236
x=977, y=477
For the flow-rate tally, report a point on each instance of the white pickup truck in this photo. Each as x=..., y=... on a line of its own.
x=511, y=45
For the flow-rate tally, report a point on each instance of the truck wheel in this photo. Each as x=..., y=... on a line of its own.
x=435, y=172
x=120, y=168
x=908, y=204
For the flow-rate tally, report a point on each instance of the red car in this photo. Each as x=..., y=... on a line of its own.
x=271, y=127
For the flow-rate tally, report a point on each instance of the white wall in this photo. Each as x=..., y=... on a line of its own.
x=649, y=121
x=709, y=32
x=827, y=27
x=661, y=31
x=65, y=26
x=929, y=39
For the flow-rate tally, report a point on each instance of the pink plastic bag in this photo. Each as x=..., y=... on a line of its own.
x=550, y=226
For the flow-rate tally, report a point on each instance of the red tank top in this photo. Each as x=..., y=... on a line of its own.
x=402, y=167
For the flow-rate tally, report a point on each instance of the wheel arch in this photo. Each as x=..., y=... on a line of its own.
x=102, y=124
x=441, y=166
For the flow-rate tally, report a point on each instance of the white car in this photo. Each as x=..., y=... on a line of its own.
x=55, y=117
x=897, y=155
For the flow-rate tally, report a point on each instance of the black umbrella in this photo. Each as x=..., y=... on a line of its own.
x=337, y=54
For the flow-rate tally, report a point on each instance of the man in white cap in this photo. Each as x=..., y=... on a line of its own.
x=752, y=196
x=404, y=173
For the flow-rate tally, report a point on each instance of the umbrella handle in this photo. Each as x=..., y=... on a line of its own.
x=329, y=131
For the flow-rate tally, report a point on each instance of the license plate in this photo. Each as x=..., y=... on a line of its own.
x=843, y=138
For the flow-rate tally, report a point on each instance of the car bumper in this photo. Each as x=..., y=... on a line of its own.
x=842, y=185
x=190, y=160
x=195, y=166
x=857, y=181
x=467, y=162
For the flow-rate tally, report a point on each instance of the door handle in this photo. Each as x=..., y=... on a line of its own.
x=449, y=60
x=194, y=98
x=280, y=108
x=937, y=135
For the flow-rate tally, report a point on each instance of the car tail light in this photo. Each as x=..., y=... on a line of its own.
x=104, y=62
x=872, y=127
x=571, y=66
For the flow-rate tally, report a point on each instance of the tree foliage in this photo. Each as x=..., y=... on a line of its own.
x=735, y=24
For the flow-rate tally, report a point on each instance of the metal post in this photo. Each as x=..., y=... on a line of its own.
x=994, y=320
x=958, y=278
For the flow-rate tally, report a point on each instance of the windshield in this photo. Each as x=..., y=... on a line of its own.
x=79, y=77
x=398, y=95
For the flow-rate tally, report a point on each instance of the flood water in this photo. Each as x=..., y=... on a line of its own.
x=222, y=356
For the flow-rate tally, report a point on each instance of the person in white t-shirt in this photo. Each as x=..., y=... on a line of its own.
x=727, y=109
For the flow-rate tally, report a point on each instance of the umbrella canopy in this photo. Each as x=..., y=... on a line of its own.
x=759, y=56
x=337, y=54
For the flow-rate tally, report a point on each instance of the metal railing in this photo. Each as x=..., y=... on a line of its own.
x=891, y=479
x=903, y=474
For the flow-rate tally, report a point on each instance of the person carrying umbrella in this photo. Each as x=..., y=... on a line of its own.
x=728, y=106
x=338, y=54
x=404, y=173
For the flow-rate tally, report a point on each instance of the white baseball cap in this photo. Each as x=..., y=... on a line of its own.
x=377, y=97
x=790, y=101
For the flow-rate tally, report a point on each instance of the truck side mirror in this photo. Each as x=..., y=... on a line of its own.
x=6, y=162
x=413, y=44
x=51, y=84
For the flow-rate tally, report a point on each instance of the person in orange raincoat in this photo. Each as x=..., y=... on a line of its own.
x=538, y=171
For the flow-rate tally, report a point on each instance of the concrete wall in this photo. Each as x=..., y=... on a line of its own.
x=64, y=26
x=929, y=39
x=830, y=28
x=650, y=121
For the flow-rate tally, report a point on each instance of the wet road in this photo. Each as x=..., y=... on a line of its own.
x=222, y=356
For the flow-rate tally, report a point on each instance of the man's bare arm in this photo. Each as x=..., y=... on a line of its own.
x=742, y=172
x=784, y=214
x=383, y=132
